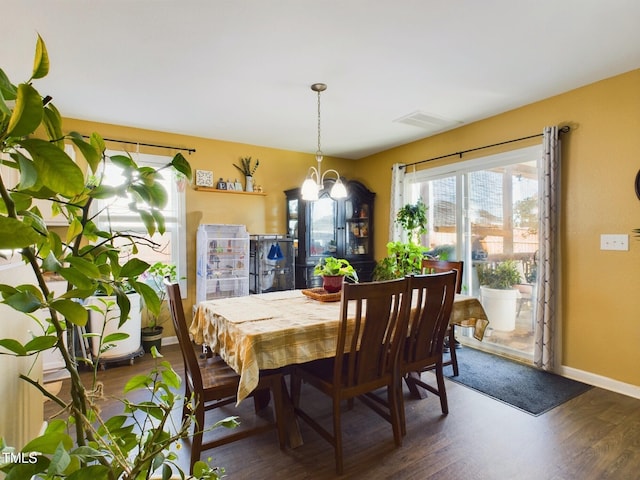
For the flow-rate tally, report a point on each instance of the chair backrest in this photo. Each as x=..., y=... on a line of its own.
x=432, y=298
x=373, y=323
x=191, y=367
x=441, y=266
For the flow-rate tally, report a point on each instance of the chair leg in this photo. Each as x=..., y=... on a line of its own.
x=196, y=442
x=337, y=436
x=452, y=350
x=394, y=412
x=401, y=413
x=442, y=391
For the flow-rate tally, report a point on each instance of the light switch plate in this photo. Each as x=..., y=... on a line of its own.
x=614, y=242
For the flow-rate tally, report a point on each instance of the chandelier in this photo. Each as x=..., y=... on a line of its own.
x=315, y=178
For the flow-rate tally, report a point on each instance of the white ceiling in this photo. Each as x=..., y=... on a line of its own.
x=241, y=70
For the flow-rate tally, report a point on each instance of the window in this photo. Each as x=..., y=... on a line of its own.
x=171, y=245
x=485, y=212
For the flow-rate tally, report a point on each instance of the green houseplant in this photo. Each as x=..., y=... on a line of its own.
x=405, y=258
x=85, y=445
x=333, y=271
x=502, y=276
x=152, y=329
x=413, y=219
x=402, y=259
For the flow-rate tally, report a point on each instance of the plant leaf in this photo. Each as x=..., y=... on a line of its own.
x=48, y=443
x=72, y=311
x=182, y=165
x=55, y=168
x=41, y=60
x=27, y=113
x=84, y=266
x=136, y=382
x=15, y=234
x=115, y=337
x=53, y=125
x=13, y=346
x=41, y=343
x=24, y=301
x=133, y=268
x=91, y=154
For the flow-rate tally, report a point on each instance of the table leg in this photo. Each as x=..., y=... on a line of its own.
x=415, y=390
x=261, y=401
x=293, y=427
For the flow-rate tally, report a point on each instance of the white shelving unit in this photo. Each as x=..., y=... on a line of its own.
x=222, y=262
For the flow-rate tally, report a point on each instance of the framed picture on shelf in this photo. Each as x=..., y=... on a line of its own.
x=204, y=178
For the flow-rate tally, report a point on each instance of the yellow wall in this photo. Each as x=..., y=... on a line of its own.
x=601, y=156
x=279, y=170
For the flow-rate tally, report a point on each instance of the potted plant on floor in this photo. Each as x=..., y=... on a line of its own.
x=498, y=295
x=137, y=443
x=333, y=272
x=151, y=333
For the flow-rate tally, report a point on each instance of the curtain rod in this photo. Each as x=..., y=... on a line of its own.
x=564, y=129
x=190, y=150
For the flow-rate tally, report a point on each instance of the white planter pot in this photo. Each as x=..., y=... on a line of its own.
x=131, y=326
x=501, y=307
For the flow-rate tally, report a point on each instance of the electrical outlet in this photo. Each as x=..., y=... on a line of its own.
x=614, y=242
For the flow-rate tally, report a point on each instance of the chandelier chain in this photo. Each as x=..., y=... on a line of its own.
x=319, y=152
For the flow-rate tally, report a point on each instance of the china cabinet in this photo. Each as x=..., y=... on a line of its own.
x=341, y=228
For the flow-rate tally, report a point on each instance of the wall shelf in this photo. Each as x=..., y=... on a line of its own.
x=237, y=192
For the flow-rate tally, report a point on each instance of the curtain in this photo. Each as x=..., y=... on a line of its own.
x=548, y=265
x=397, y=199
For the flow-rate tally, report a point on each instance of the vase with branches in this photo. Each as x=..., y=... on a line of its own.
x=247, y=170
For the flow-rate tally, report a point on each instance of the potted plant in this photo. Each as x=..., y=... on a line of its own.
x=413, y=220
x=333, y=272
x=402, y=259
x=498, y=295
x=247, y=170
x=151, y=333
x=82, y=443
x=405, y=258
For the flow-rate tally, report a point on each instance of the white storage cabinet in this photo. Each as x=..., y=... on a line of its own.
x=222, y=262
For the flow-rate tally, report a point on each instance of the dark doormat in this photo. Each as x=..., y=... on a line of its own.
x=526, y=388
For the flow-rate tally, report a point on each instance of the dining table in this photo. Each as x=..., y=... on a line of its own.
x=278, y=329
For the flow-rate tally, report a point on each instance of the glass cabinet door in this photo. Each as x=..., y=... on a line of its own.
x=292, y=223
x=322, y=227
x=358, y=226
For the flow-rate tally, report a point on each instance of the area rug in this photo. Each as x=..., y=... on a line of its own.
x=526, y=388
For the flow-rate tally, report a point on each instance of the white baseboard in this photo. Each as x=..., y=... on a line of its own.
x=169, y=340
x=600, y=381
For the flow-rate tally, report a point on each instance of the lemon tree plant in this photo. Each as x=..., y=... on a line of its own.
x=81, y=444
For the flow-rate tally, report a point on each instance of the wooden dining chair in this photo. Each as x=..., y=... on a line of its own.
x=210, y=383
x=373, y=322
x=440, y=266
x=431, y=303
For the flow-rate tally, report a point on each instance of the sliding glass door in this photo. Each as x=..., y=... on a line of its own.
x=485, y=212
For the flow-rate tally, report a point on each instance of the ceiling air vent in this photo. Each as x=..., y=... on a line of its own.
x=425, y=121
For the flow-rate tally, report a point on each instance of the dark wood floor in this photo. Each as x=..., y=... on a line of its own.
x=593, y=436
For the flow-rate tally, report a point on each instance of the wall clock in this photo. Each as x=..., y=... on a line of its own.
x=638, y=184
x=204, y=178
